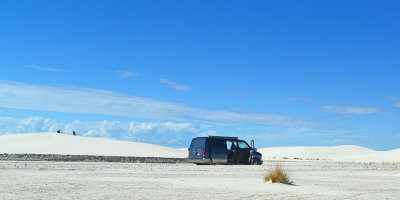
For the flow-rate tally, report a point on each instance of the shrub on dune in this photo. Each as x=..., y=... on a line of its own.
x=277, y=174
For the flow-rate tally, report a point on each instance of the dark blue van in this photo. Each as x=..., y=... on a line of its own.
x=223, y=150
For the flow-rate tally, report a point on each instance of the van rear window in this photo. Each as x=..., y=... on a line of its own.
x=197, y=143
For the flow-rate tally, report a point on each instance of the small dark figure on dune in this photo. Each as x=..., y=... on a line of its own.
x=73, y=132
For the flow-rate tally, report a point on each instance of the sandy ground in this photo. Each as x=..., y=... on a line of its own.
x=79, y=180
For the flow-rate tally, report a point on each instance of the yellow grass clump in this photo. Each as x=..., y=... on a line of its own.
x=277, y=174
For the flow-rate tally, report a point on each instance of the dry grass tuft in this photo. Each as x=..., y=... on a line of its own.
x=277, y=174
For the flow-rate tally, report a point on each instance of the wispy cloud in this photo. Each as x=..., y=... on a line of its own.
x=93, y=101
x=173, y=85
x=179, y=87
x=127, y=74
x=45, y=68
x=166, y=81
x=243, y=94
x=351, y=109
x=395, y=99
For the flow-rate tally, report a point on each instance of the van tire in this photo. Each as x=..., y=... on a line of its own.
x=256, y=161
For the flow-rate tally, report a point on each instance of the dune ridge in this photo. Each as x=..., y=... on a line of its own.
x=346, y=153
x=66, y=144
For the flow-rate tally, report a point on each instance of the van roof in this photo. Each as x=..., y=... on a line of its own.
x=221, y=137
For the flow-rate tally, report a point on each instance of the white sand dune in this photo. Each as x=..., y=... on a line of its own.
x=183, y=149
x=54, y=143
x=347, y=153
x=65, y=144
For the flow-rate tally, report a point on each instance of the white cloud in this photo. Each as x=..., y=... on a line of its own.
x=173, y=85
x=395, y=99
x=135, y=127
x=178, y=127
x=151, y=132
x=8, y=125
x=240, y=110
x=207, y=133
x=166, y=81
x=36, y=124
x=93, y=101
x=351, y=109
x=177, y=134
x=114, y=127
x=179, y=87
x=45, y=68
x=126, y=74
x=74, y=126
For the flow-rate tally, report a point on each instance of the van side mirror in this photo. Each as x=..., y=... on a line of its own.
x=254, y=149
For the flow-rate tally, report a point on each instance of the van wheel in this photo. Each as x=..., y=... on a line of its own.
x=256, y=162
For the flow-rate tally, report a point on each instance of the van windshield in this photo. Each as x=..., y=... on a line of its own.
x=243, y=145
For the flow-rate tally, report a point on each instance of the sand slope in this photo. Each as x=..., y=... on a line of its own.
x=55, y=143
x=348, y=153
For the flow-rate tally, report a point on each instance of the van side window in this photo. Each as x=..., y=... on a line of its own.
x=243, y=145
x=218, y=144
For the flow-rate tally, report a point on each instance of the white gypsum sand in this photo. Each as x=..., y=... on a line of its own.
x=84, y=180
x=66, y=144
x=345, y=153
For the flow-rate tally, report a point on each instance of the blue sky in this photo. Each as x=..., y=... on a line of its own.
x=285, y=73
